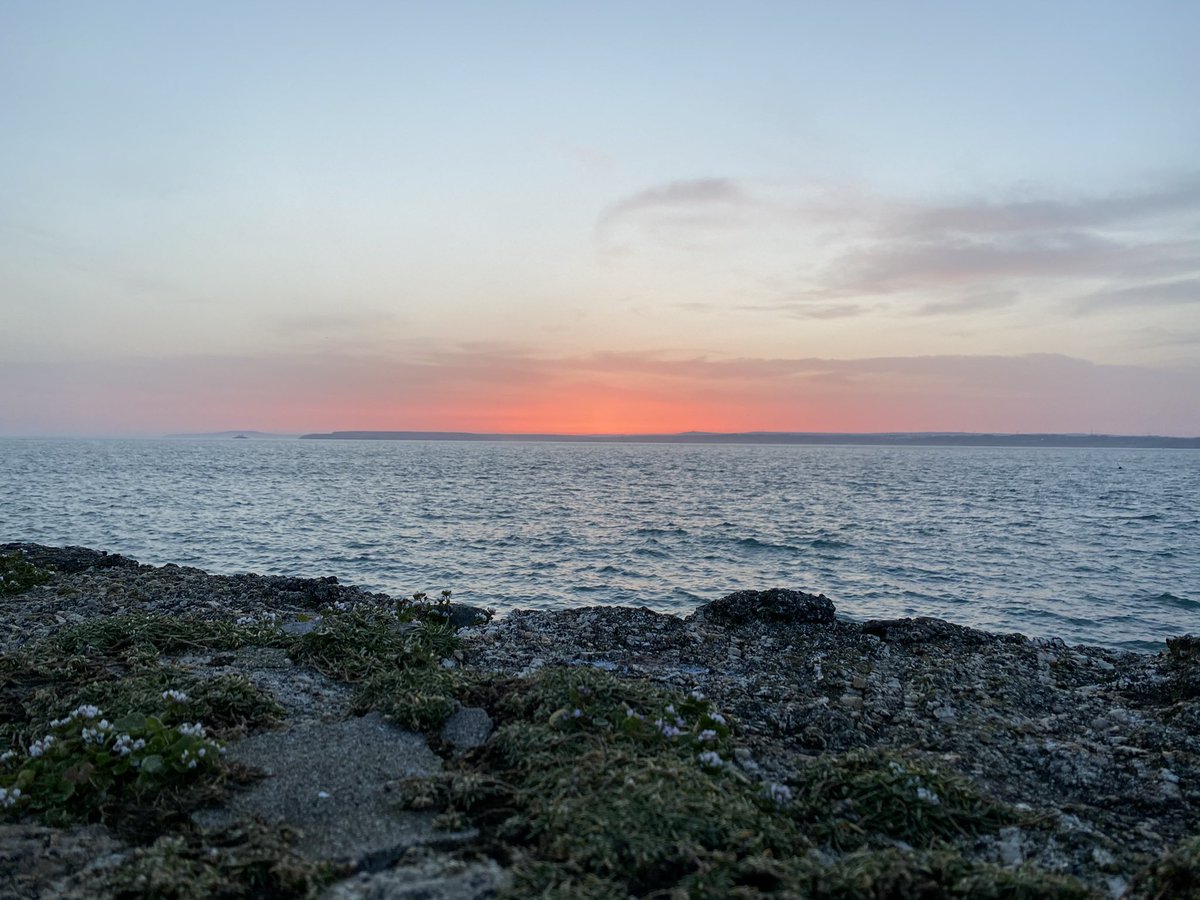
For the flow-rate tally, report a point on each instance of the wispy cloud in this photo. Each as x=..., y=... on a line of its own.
x=971, y=304
x=832, y=249
x=687, y=198
x=1169, y=293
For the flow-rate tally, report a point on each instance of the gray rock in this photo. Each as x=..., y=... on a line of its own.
x=330, y=781
x=468, y=728
x=776, y=605
x=464, y=615
x=923, y=630
x=435, y=877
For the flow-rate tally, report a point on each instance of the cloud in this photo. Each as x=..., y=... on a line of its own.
x=1170, y=293
x=831, y=249
x=971, y=304
x=702, y=203
x=984, y=216
x=679, y=195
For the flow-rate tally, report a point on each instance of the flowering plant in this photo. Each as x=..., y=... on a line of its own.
x=85, y=762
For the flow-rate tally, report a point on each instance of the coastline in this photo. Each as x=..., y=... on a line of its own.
x=1077, y=768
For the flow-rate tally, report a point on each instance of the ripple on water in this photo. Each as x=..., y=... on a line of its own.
x=1043, y=542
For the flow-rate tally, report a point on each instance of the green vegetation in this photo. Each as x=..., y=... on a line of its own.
x=98, y=729
x=85, y=765
x=1174, y=876
x=18, y=576
x=143, y=637
x=249, y=861
x=592, y=786
x=846, y=799
x=396, y=664
x=598, y=787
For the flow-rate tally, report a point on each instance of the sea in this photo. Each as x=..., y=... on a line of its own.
x=1094, y=546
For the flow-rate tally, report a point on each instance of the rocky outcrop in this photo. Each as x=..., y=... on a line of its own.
x=778, y=605
x=1101, y=747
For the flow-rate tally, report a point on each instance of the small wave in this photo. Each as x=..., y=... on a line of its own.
x=649, y=531
x=1168, y=599
x=617, y=570
x=646, y=550
x=1148, y=517
x=755, y=544
x=828, y=544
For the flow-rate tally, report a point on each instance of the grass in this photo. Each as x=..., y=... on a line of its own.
x=846, y=800
x=395, y=663
x=17, y=575
x=592, y=786
x=248, y=861
x=1174, y=876
x=595, y=786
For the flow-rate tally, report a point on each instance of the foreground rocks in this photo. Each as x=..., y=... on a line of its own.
x=1101, y=748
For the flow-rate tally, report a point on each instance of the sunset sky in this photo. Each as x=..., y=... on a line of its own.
x=599, y=217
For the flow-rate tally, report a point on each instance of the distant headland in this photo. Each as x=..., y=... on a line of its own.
x=895, y=439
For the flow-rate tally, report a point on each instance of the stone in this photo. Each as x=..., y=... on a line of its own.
x=778, y=605
x=467, y=729
x=330, y=782
x=923, y=630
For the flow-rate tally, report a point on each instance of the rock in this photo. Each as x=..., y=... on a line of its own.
x=68, y=560
x=34, y=857
x=329, y=781
x=922, y=630
x=467, y=729
x=1184, y=647
x=430, y=878
x=464, y=615
x=777, y=605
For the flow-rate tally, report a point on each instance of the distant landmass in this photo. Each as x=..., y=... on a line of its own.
x=896, y=439
x=231, y=434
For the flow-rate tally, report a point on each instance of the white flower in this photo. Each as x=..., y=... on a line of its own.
x=175, y=696
x=37, y=748
x=708, y=735
x=711, y=759
x=923, y=793
x=92, y=736
x=696, y=694
x=193, y=730
x=9, y=797
x=7, y=755
x=717, y=717
x=576, y=713
x=780, y=794
x=667, y=729
x=86, y=711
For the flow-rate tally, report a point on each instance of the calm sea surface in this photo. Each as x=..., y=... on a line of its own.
x=1094, y=546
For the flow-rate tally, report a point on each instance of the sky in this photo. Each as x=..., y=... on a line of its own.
x=599, y=217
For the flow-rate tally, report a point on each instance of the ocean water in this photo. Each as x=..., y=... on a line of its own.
x=1093, y=546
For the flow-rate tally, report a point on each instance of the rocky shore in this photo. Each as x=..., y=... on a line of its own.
x=360, y=746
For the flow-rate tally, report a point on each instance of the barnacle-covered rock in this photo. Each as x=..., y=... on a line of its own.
x=776, y=605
